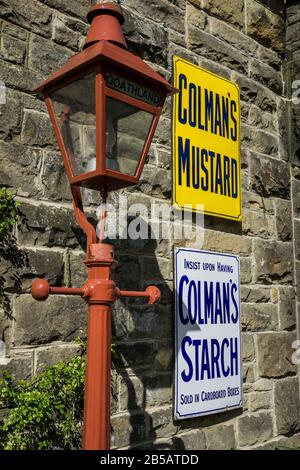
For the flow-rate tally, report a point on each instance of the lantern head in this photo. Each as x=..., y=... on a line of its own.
x=104, y=104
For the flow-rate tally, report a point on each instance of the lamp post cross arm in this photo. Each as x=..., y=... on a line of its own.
x=41, y=290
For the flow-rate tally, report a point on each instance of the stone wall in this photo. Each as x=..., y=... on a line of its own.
x=238, y=39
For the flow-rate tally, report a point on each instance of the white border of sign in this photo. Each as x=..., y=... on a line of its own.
x=177, y=415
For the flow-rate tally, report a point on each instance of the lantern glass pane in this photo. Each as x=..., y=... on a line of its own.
x=127, y=129
x=75, y=109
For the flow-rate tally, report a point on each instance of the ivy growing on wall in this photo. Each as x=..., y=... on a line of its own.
x=8, y=212
x=46, y=412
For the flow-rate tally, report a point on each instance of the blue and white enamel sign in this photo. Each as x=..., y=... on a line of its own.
x=208, y=368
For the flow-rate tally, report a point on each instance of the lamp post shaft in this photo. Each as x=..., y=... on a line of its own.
x=100, y=292
x=96, y=432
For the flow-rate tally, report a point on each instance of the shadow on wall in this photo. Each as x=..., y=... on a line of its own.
x=144, y=338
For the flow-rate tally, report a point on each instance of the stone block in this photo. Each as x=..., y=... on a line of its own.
x=269, y=177
x=161, y=423
x=283, y=113
x=67, y=33
x=175, y=38
x=214, y=67
x=230, y=12
x=156, y=181
x=78, y=270
x=248, y=347
x=78, y=8
x=60, y=318
x=148, y=322
x=45, y=57
x=128, y=264
x=253, y=92
x=19, y=77
x=275, y=354
x=145, y=38
x=48, y=226
x=128, y=429
x=10, y=116
x=132, y=396
x=231, y=36
x=228, y=242
x=266, y=75
x=41, y=263
x=162, y=11
x=12, y=258
x=273, y=261
x=220, y=437
x=207, y=45
x=297, y=275
x=5, y=318
x=284, y=224
x=254, y=428
x=53, y=178
x=37, y=130
x=167, y=444
x=248, y=374
x=268, y=56
x=162, y=134
x=260, y=225
x=164, y=356
x=14, y=31
x=164, y=158
x=280, y=443
x=149, y=241
x=257, y=203
x=12, y=49
x=296, y=197
x=19, y=168
x=19, y=365
x=114, y=392
x=287, y=406
x=158, y=389
x=196, y=17
x=260, y=401
x=37, y=18
x=246, y=270
x=255, y=294
x=263, y=120
x=120, y=322
x=297, y=240
x=157, y=268
x=263, y=385
x=259, y=141
x=192, y=440
x=136, y=354
x=265, y=27
x=47, y=356
x=259, y=317
x=287, y=308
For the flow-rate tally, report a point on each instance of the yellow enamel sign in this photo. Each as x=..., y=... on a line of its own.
x=206, y=142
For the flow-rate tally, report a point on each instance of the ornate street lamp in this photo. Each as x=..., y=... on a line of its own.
x=104, y=104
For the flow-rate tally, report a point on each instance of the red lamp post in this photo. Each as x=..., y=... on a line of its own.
x=104, y=104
